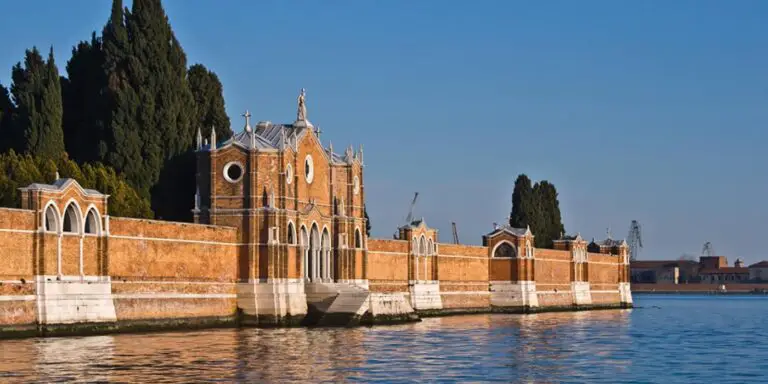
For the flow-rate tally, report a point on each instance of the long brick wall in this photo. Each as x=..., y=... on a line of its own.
x=172, y=270
x=157, y=271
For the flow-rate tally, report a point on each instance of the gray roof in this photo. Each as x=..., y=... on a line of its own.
x=611, y=243
x=519, y=232
x=59, y=185
x=576, y=237
x=276, y=137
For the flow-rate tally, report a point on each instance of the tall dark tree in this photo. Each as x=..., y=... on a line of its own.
x=150, y=104
x=523, y=203
x=551, y=220
x=367, y=222
x=209, y=102
x=537, y=206
x=84, y=104
x=6, y=113
x=37, y=121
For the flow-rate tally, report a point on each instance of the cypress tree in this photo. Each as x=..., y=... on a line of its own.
x=36, y=91
x=537, y=206
x=367, y=222
x=150, y=102
x=84, y=106
x=6, y=113
x=522, y=203
x=551, y=218
x=209, y=102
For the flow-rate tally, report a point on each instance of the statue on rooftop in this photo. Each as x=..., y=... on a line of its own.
x=301, y=114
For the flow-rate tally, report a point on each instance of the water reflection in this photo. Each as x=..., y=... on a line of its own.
x=597, y=346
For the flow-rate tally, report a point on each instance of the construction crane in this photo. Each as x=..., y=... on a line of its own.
x=455, y=233
x=409, y=218
x=635, y=240
x=707, y=250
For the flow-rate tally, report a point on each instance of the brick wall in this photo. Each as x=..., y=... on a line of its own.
x=166, y=270
x=17, y=267
x=552, y=270
x=388, y=265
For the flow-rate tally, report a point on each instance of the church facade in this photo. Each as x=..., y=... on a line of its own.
x=279, y=239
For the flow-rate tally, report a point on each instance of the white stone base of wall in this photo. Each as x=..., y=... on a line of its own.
x=514, y=294
x=581, y=293
x=74, y=299
x=362, y=283
x=426, y=295
x=389, y=305
x=273, y=297
x=626, y=293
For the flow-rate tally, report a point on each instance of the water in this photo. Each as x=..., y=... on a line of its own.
x=668, y=339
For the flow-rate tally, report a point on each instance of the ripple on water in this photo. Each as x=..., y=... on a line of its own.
x=671, y=339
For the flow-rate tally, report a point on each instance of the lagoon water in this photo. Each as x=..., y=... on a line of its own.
x=665, y=339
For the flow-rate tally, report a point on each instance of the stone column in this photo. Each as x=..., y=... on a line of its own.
x=58, y=254
x=416, y=275
x=82, y=236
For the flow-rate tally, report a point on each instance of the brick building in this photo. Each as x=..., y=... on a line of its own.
x=279, y=238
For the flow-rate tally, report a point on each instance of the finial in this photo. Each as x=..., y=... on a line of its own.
x=213, y=137
x=330, y=146
x=253, y=139
x=360, y=153
x=247, y=116
x=57, y=175
x=199, y=139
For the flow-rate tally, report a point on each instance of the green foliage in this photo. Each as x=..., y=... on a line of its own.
x=367, y=222
x=17, y=171
x=209, y=102
x=537, y=206
x=6, y=114
x=128, y=102
x=84, y=106
x=37, y=121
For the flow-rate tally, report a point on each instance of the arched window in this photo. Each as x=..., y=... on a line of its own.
x=71, y=219
x=430, y=247
x=51, y=219
x=358, y=239
x=415, y=246
x=291, y=234
x=422, y=246
x=92, y=222
x=505, y=249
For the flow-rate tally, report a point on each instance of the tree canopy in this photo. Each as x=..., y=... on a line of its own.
x=18, y=171
x=129, y=108
x=537, y=206
x=36, y=121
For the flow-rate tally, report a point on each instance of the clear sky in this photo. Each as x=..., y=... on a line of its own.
x=655, y=111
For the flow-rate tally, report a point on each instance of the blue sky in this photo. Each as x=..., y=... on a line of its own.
x=653, y=111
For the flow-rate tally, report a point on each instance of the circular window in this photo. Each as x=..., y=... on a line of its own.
x=288, y=174
x=309, y=169
x=356, y=185
x=233, y=172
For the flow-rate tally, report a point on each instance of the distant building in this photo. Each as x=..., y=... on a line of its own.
x=664, y=271
x=709, y=270
x=758, y=272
